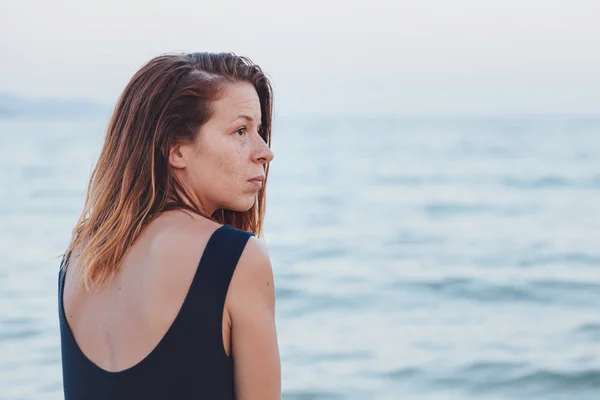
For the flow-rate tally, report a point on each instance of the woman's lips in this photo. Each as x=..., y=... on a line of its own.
x=257, y=182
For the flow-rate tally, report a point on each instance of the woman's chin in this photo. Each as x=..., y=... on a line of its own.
x=242, y=204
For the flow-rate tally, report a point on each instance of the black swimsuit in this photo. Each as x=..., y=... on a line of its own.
x=190, y=361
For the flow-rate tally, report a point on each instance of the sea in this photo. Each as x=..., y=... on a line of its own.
x=430, y=258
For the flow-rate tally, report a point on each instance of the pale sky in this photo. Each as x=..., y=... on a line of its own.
x=419, y=57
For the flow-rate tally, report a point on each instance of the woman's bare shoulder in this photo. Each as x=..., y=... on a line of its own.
x=176, y=242
x=178, y=231
x=254, y=270
x=252, y=287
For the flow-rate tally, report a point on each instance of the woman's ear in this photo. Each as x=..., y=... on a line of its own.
x=176, y=158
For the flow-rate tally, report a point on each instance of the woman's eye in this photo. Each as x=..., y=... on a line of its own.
x=241, y=131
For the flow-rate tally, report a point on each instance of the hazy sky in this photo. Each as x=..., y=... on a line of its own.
x=324, y=57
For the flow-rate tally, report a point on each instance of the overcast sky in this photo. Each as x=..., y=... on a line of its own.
x=324, y=57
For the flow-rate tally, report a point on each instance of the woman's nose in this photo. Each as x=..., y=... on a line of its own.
x=263, y=154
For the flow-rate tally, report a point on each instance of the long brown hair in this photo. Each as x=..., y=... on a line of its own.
x=166, y=102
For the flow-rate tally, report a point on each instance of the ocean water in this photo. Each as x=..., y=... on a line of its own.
x=414, y=258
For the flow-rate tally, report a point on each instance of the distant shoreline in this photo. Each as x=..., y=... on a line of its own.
x=14, y=106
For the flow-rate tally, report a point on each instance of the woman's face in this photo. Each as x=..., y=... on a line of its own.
x=225, y=164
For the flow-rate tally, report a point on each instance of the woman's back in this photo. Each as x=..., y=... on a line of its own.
x=161, y=328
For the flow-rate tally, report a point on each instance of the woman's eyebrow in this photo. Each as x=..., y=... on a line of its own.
x=244, y=116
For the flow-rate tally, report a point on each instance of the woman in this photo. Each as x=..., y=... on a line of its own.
x=165, y=292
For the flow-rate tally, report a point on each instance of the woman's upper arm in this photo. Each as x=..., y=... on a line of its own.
x=251, y=306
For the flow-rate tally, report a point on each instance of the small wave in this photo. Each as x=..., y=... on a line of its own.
x=548, y=381
x=590, y=328
x=310, y=358
x=567, y=292
x=477, y=290
x=408, y=372
x=17, y=328
x=549, y=182
x=457, y=209
x=493, y=367
x=518, y=379
x=591, y=331
x=19, y=334
x=480, y=374
x=309, y=303
x=309, y=395
x=565, y=285
x=571, y=258
x=287, y=293
x=540, y=291
x=408, y=238
x=545, y=182
x=537, y=256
